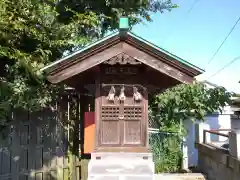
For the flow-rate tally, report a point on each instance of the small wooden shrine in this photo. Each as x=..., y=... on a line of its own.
x=120, y=71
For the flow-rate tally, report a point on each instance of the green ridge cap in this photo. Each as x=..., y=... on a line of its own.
x=123, y=23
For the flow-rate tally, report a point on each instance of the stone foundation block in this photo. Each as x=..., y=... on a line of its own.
x=121, y=166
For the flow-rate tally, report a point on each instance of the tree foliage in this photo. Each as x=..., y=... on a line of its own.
x=187, y=102
x=169, y=109
x=34, y=33
x=109, y=11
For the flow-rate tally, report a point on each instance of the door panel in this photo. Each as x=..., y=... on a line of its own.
x=110, y=132
x=132, y=125
x=110, y=126
x=132, y=132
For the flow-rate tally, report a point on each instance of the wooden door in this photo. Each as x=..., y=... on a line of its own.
x=121, y=123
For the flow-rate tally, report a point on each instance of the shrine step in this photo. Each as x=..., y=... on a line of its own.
x=121, y=177
x=120, y=155
x=185, y=176
x=121, y=166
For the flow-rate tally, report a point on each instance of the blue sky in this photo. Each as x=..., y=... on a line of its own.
x=196, y=35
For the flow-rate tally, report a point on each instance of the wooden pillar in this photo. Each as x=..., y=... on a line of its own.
x=84, y=102
x=83, y=108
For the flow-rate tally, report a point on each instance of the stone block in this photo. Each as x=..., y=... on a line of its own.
x=123, y=166
x=103, y=177
x=121, y=177
x=141, y=177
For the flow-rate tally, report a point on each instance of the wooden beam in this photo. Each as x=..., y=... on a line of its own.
x=85, y=64
x=156, y=64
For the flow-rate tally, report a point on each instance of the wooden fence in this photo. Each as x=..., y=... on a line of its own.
x=36, y=145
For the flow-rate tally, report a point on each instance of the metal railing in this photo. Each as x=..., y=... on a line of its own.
x=217, y=132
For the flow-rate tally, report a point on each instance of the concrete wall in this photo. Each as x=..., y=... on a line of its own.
x=217, y=164
x=215, y=121
x=235, y=123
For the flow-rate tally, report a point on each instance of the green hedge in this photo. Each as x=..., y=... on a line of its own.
x=167, y=151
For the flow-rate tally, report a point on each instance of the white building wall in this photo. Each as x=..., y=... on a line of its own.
x=216, y=121
x=192, y=153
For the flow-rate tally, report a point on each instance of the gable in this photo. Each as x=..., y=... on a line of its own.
x=120, y=53
x=120, y=48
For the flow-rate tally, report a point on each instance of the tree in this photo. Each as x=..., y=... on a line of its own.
x=169, y=109
x=34, y=33
x=109, y=11
x=187, y=102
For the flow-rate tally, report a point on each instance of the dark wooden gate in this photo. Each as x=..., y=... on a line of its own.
x=122, y=123
x=36, y=146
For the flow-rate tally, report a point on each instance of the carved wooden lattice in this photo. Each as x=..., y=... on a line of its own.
x=122, y=59
x=110, y=113
x=132, y=112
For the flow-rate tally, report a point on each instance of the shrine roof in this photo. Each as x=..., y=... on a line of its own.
x=132, y=35
x=121, y=42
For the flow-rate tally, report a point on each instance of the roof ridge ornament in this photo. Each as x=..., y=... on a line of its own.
x=123, y=23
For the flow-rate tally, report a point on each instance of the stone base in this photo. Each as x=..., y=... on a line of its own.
x=121, y=166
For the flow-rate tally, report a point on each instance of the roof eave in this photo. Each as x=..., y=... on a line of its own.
x=192, y=69
x=124, y=35
x=74, y=55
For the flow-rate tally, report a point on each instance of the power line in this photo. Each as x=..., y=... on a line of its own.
x=220, y=70
x=193, y=5
x=188, y=11
x=223, y=41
